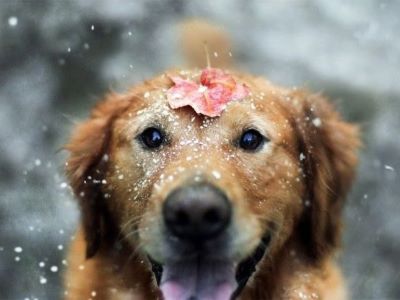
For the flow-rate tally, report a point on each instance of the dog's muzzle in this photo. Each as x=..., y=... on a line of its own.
x=197, y=215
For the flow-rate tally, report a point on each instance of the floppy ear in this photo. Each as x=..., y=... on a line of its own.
x=328, y=149
x=87, y=163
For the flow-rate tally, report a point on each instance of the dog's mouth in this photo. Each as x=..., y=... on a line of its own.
x=200, y=278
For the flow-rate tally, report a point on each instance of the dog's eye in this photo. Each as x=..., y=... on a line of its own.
x=152, y=137
x=251, y=140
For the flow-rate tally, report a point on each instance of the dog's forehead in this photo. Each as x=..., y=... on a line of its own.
x=260, y=109
x=155, y=109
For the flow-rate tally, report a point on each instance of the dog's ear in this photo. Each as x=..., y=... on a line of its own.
x=328, y=149
x=86, y=165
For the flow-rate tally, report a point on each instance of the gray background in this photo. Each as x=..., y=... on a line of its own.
x=53, y=67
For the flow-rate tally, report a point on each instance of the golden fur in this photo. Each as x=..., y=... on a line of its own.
x=295, y=187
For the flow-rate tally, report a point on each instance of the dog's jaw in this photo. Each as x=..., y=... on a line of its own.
x=207, y=278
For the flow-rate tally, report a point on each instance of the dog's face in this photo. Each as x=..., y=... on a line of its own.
x=208, y=199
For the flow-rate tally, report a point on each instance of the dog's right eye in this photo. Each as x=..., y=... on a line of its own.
x=152, y=138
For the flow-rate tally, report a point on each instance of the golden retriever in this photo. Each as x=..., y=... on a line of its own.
x=179, y=205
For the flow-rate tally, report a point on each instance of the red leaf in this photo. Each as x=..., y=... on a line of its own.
x=210, y=97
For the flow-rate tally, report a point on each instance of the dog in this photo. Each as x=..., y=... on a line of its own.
x=209, y=184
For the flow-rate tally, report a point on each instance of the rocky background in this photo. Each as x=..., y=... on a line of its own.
x=57, y=57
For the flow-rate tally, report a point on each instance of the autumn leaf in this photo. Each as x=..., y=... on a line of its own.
x=209, y=97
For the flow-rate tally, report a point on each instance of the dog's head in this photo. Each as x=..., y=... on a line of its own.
x=209, y=199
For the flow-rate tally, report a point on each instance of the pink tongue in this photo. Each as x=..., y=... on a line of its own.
x=198, y=279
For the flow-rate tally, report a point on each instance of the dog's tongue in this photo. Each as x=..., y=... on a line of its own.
x=198, y=279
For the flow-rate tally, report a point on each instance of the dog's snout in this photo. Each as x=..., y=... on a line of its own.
x=197, y=213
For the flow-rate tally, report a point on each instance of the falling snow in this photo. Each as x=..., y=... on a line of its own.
x=302, y=156
x=317, y=122
x=18, y=249
x=37, y=195
x=54, y=269
x=390, y=168
x=13, y=21
x=43, y=280
x=216, y=174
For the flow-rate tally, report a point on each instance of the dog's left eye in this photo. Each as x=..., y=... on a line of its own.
x=152, y=138
x=251, y=140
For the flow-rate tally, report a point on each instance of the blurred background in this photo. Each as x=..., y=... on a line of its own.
x=58, y=57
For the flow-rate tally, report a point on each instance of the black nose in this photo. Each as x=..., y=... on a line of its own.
x=197, y=213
